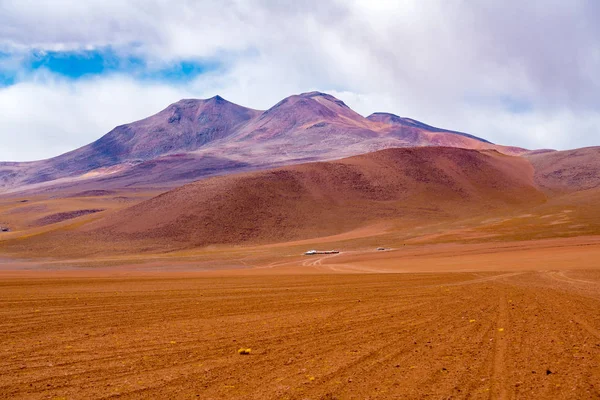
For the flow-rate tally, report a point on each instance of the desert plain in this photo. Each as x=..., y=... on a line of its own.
x=425, y=318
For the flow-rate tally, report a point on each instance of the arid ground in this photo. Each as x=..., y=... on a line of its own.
x=488, y=285
x=490, y=321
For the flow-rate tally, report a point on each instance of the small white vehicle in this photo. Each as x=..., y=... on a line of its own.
x=313, y=252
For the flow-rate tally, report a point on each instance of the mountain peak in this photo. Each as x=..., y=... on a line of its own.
x=384, y=117
x=187, y=103
x=217, y=99
x=310, y=107
x=326, y=96
x=314, y=93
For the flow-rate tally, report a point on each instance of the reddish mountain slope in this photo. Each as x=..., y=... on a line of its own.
x=567, y=171
x=319, y=199
x=416, y=133
x=308, y=127
x=303, y=115
x=409, y=126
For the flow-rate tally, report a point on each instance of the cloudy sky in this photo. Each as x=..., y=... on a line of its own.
x=513, y=72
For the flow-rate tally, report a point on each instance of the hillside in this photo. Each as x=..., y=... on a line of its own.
x=321, y=199
x=394, y=196
x=567, y=171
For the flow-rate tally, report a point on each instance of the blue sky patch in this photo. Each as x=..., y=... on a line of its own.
x=74, y=64
x=6, y=79
x=516, y=105
x=104, y=61
x=181, y=71
x=7, y=75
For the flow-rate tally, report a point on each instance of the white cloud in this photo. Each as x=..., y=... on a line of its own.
x=451, y=64
x=49, y=116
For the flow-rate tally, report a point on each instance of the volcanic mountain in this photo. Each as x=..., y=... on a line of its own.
x=191, y=139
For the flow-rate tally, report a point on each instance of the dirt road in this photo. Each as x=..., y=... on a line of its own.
x=372, y=336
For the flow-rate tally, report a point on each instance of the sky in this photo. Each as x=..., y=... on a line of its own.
x=513, y=72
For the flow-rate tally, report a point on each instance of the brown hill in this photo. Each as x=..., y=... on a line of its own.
x=567, y=171
x=320, y=199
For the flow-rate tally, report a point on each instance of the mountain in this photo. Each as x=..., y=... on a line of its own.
x=191, y=139
x=182, y=127
x=301, y=115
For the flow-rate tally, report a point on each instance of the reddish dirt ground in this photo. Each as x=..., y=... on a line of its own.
x=520, y=321
x=470, y=301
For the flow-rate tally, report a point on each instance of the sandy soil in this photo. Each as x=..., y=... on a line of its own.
x=522, y=323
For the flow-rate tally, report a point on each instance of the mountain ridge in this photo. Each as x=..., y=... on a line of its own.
x=395, y=119
x=311, y=126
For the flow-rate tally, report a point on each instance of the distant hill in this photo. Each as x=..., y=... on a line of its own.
x=567, y=171
x=326, y=198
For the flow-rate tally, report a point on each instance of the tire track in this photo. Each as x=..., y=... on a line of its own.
x=590, y=329
x=562, y=277
x=499, y=369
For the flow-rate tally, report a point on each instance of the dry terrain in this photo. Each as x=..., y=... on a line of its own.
x=488, y=287
x=395, y=190
x=462, y=321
